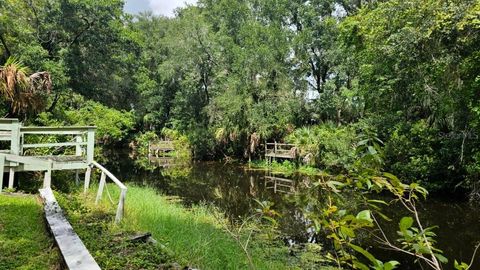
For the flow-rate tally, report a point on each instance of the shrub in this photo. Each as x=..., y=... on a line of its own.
x=329, y=147
x=112, y=125
x=410, y=151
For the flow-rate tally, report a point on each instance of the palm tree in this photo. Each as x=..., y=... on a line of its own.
x=26, y=94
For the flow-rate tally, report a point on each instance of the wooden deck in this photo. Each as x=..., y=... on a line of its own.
x=164, y=162
x=160, y=148
x=280, y=150
x=62, y=148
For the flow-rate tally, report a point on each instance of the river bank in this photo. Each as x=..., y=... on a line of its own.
x=233, y=188
x=198, y=236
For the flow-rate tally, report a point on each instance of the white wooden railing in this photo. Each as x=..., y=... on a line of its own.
x=81, y=139
x=101, y=186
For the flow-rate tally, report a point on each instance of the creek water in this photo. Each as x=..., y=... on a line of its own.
x=234, y=189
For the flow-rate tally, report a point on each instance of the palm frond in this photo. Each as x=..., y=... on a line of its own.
x=25, y=93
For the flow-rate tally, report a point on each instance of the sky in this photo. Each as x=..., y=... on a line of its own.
x=158, y=7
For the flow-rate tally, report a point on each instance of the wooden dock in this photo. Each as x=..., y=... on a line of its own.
x=62, y=148
x=160, y=148
x=73, y=149
x=280, y=150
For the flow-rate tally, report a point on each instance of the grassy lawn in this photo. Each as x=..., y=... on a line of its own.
x=194, y=235
x=186, y=236
x=24, y=241
x=108, y=243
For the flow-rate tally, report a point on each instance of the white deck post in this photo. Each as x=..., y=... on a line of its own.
x=78, y=153
x=101, y=185
x=78, y=148
x=77, y=178
x=121, y=204
x=47, y=181
x=88, y=173
x=90, y=145
x=2, y=166
x=11, y=177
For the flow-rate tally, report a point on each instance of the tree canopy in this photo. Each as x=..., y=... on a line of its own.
x=230, y=73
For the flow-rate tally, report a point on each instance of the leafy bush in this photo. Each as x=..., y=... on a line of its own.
x=112, y=125
x=142, y=140
x=410, y=151
x=326, y=146
x=180, y=142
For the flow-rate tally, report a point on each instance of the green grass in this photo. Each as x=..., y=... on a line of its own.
x=194, y=235
x=24, y=241
x=190, y=236
x=109, y=244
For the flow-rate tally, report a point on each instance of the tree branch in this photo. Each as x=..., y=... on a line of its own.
x=5, y=45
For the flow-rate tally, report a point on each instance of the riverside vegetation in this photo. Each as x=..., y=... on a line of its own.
x=195, y=237
x=380, y=97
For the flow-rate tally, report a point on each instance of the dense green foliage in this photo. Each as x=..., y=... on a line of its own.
x=361, y=87
x=23, y=240
x=232, y=74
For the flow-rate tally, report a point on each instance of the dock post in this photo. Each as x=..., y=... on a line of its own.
x=77, y=178
x=11, y=177
x=2, y=166
x=101, y=185
x=275, y=152
x=47, y=181
x=88, y=173
x=121, y=205
x=14, y=150
x=90, y=145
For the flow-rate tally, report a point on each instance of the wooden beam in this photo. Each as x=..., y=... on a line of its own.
x=57, y=130
x=90, y=146
x=88, y=173
x=41, y=145
x=110, y=175
x=78, y=147
x=2, y=166
x=25, y=160
x=101, y=185
x=74, y=252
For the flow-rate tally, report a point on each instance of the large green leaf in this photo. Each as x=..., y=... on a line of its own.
x=405, y=223
x=365, y=215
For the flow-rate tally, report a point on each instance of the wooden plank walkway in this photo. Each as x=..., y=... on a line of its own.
x=74, y=252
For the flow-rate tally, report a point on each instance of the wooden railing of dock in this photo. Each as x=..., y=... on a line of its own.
x=159, y=148
x=279, y=185
x=73, y=149
x=280, y=150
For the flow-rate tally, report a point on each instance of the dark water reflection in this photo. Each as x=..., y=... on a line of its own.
x=233, y=188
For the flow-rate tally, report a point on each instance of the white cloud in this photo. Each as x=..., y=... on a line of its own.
x=167, y=7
